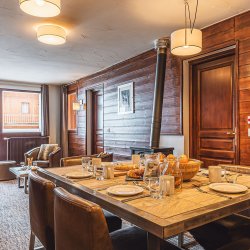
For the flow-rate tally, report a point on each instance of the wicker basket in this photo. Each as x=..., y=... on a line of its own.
x=190, y=169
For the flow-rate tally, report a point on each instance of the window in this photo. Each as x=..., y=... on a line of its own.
x=25, y=107
x=21, y=111
x=71, y=113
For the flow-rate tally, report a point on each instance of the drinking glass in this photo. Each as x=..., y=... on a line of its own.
x=176, y=172
x=152, y=171
x=85, y=163
x=22, y=164
x=99, y=175
x=154, y=188
x=232, y=176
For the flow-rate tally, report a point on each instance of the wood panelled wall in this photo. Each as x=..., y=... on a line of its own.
x=236, y=30
x=123, y=131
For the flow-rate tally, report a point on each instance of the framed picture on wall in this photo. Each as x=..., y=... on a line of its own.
x=126, y=98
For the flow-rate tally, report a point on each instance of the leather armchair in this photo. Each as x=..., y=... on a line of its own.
x=53, y=158
x=77, y=160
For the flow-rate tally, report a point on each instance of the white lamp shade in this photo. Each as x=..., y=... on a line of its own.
x=76, y=106
x=51, y=34
x=185, y=43
x=41, y=8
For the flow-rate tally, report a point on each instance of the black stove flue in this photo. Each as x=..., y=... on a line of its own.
x=161, y=47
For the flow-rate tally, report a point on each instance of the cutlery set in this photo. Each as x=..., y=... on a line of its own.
x=197, y=187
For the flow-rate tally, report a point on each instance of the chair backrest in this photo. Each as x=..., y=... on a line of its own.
x=41, y=207
x=79, y=224
x=77, y=160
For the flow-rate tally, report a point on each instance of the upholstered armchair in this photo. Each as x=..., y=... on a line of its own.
x=77, y=160
x=45, y=156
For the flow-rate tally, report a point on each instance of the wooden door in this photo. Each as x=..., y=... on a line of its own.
x=97, y=116
x=213, y=114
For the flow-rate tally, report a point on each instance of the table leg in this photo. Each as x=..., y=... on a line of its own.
x=19, y=182
x=180, y=240
x=154, y=243
x=26, y=185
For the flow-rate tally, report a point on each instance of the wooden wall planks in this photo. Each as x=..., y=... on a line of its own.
x=242, y=34
x=123, y=131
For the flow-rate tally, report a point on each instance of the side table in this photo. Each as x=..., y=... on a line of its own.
x=21, y=174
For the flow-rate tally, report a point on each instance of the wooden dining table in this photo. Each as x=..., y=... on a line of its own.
x=163, y=218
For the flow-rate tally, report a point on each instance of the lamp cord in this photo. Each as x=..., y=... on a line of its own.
x=189, y=14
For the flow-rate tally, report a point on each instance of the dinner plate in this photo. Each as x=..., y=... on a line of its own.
x=125, y=190
x=78, y=175
x=229, y=188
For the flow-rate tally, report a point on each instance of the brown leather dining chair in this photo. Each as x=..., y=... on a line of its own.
x=41, y=209
x=81, y=225
x=223, y=232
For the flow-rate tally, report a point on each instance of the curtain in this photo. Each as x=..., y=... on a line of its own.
x=45, y=110
x=64, y=121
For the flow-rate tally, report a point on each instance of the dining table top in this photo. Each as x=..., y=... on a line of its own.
x=188, y=208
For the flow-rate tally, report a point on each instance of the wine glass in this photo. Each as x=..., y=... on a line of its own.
x=231, y=176
x=85, y=163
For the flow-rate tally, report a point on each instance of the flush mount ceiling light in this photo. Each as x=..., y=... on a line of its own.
x=51, y=34
x=41, y=8
x=188, y=41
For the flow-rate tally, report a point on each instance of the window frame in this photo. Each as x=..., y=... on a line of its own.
x=68, y=94
x=20, y=131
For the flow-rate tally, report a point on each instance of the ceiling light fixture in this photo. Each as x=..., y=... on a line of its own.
x=188, y=41
x=41, y=8
x=51, y=34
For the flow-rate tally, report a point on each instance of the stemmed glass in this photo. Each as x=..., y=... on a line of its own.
x=151, y=176
x=85, y=163
x=232, y=176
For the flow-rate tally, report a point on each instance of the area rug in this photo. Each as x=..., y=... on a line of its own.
x=14, y=219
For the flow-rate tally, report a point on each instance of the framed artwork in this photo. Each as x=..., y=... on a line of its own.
x=126, y=98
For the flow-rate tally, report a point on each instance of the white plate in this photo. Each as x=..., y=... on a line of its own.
x=229, y=188
x=78, y=175
x=125, y=190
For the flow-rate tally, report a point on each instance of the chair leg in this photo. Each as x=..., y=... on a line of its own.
x=180, y=239
x=32, y=241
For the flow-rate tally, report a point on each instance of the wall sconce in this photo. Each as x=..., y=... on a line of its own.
x=77, y=105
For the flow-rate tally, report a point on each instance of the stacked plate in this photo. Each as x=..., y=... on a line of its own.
x=228, y=188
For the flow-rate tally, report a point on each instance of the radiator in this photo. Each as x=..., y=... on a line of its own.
x=17, y=146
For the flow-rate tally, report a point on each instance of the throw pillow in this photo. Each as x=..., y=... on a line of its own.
x=45, y=150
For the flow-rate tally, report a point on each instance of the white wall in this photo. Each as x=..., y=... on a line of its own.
x=54, y=113
x=176, y=141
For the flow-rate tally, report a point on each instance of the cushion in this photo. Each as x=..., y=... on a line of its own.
x=134, y=238
x=45, y=150
x=221, y=232
x=242, y=244
x=113, y=221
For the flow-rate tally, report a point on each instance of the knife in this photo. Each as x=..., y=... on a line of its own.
x=135, y=198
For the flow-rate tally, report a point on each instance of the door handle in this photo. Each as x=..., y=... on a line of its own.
x=230, y=133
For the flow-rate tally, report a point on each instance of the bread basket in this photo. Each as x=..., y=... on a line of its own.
x=190, y=169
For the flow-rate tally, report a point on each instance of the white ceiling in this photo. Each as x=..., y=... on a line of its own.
x=100, y=33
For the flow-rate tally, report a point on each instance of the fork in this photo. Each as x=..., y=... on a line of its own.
x=140, y=185
x=135, y=198
x=206, y=192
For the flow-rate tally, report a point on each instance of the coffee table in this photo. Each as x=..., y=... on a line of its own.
x=21, y=174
